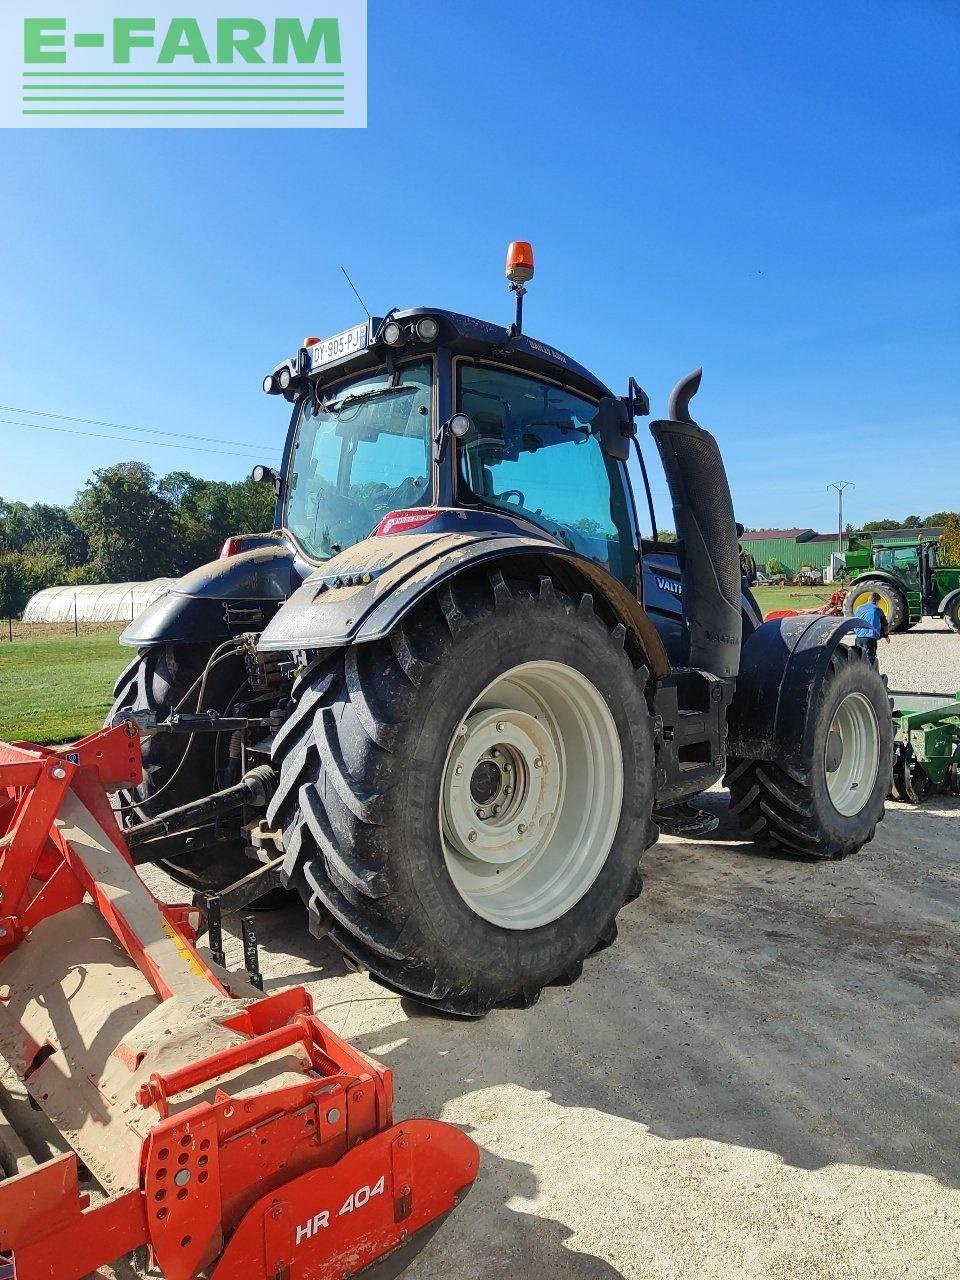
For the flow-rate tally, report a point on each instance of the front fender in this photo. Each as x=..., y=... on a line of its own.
x=218, y=600
x=948, y=600
x=783, y=663
x=363, y=592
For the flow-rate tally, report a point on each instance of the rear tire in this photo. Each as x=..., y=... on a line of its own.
x=156, y=681
x=830, y=808
x=369, y=826
x=892, y=601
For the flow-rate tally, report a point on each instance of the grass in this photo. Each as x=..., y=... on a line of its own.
x=769, y=598
x=57, y=688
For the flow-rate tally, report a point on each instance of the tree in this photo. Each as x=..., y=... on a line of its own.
x=912, y=522
x=129, y=523
x=14, y=587
x=949, y=551
x=939, y=518
x=775, y=567
x=666, y=535
x=871, y=526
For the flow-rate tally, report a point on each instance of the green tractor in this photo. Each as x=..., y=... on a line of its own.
x=909, y=581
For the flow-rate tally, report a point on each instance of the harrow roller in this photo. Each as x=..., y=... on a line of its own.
x=193, y=1121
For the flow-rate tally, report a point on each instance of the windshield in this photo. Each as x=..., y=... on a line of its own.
x=534, y=452
x=364, y=454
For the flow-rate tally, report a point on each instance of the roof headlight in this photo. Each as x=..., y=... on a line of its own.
x=427, y=329
x=392, y=333
x=284, y=378
x=461, y=424
x=269, y=384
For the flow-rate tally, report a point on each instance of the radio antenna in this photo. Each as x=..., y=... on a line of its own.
x=354, y=288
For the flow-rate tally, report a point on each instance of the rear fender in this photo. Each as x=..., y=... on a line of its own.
x=783, y=663
x=362, y=593
x=218, y=600
x=884, y=576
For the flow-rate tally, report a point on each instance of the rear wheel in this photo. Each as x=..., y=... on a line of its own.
x=464, y=804
x=892, y=601
x=831, y=806
x=162, y=679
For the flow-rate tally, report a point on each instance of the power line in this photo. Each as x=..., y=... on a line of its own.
x=129, y=440
x=120, y=426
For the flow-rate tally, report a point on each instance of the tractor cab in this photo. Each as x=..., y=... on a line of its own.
x=427, y=419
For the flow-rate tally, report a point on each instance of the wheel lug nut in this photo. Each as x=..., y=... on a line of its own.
x=500, y=726
x=458, y=770
x=472, y=837
x=538, y=763
x=521, y=828
x=496, y=811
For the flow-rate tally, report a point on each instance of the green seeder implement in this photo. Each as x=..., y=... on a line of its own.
x=926, y=734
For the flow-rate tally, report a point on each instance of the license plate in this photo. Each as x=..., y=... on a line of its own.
x=343, y=344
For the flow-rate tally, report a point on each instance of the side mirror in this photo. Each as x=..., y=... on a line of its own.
x=614, y=427
x=267, y=475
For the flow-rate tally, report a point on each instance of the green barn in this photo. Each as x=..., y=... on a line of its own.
x=796, y=548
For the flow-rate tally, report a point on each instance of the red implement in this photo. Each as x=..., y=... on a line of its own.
x=230, y=1134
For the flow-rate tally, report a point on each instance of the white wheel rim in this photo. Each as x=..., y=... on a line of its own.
x=852, y=754
x=531, y=795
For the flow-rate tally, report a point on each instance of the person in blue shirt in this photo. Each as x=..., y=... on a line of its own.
x=872, y=627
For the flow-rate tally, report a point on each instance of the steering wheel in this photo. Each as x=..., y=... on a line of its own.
x=512, y=493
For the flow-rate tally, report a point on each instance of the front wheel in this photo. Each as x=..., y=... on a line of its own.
x=951, y=615
x=829, y=807
x=464, y=804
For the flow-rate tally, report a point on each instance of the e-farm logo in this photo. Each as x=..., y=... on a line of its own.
x=146, y=65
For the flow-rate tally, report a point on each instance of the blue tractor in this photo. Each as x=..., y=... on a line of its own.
x=463, y=679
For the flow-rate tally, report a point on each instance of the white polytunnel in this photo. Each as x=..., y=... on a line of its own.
x=102, y=602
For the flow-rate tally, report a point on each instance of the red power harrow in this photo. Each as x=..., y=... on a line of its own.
x=229, y=1135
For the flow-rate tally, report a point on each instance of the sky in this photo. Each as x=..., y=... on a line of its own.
x=769, y=190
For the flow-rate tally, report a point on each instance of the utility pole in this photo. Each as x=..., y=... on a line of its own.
x=840, y=485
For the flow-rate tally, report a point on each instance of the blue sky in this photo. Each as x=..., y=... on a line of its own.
x=769, y=190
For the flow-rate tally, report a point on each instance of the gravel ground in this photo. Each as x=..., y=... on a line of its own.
x=758, y=1081
x=925, y=659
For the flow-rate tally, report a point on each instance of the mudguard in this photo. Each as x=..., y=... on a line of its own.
x=362, y=593
x=783, y=663
x=884, y=575
x=218, y=600
x=948, y=600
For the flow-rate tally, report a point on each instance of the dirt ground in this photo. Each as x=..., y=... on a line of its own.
x=759, y=1079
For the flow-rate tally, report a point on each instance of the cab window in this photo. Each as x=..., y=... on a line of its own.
x=534, y=452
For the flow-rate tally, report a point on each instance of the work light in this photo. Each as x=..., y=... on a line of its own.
x=392, y=333
x=427, y=329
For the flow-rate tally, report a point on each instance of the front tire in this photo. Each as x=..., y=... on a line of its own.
x=830, y=807
x=474, y=888
x=951, y=615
